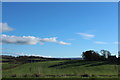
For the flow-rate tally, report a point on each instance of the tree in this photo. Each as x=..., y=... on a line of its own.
x=118, y=53
x=22, y=59
x=90, y=55
x=105, y=53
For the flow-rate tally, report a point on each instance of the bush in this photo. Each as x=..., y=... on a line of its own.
x=25, y=75
x=36, y=75
x=85, y=75
x=92, y=75
x=14, y=75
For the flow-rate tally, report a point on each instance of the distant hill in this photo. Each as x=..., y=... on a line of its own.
x=69, y=58
x=7, y=58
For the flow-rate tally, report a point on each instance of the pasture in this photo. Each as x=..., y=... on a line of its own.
x=60, y=68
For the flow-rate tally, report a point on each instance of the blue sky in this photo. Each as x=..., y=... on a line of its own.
x=77, y=26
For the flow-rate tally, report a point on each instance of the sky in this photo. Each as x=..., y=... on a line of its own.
x=59, y=29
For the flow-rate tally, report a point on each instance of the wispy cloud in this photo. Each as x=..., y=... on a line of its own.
x=29, y=40
x=116, y=42
x=5, y=28
x=100, y=42
x=63, y=43
x=86, y=36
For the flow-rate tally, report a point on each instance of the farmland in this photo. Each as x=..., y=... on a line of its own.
x=55, y=69
x=60, y=68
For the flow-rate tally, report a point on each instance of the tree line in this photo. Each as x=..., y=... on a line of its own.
x=92, y=55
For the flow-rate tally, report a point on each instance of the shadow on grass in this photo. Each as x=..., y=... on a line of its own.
x=75, y=63
x=70, y=63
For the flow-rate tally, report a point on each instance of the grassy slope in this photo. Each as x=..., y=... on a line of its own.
x=96, y=68
x=7, y=65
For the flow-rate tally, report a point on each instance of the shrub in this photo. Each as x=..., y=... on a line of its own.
x=13, y=75
x=36, y=75
x=85, y=75
x=92, y=75
x=25, y=75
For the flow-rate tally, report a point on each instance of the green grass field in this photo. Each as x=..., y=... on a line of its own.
x=61, y=79
x=74, y=67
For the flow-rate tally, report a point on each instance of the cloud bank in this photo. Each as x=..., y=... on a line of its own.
x=28, y=40
x=23, y=54
x=24, y=40
x=86, y=36
x=5, y=28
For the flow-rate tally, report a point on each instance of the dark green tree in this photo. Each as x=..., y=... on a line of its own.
x=90, y=55
x=118, y=53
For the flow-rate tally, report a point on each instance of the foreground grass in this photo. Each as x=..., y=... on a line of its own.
x=62, y=68
x=61, y=79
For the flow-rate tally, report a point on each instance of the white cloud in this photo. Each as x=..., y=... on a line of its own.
x=24, y=40
x=100, y=42
x=13, y=53
x=19, y=40
x=54, y=39
x=86, y=36
x=39, y=55
x=23, y=54
x=63, y=43
x=5, y=28
x=116, y=42
x=28, y=40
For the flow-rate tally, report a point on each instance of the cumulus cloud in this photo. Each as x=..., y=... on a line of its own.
x=5, y=28
x=86, y=36
x=24, y=40
x=19, y=40
x=100, y=42
x=28, y=40
x=54, y=39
